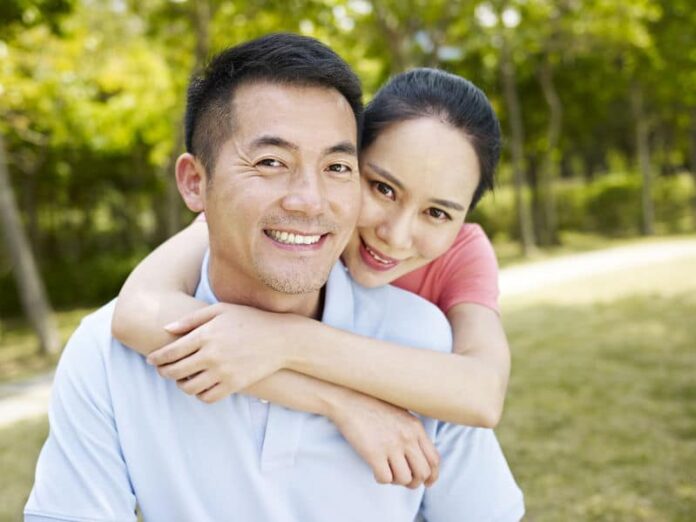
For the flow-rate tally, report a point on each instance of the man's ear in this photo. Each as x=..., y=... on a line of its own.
x=191, y=180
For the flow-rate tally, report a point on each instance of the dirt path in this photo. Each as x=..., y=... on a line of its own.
x=28, y=399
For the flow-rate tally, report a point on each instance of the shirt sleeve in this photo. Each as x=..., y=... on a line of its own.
x=81, y=473
x=469, y=271
x=475, y=482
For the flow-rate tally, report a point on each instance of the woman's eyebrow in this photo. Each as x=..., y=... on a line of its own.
x=448, y=204
x=386, y=175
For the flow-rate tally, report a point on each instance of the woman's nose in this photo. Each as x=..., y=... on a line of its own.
x=396, y=231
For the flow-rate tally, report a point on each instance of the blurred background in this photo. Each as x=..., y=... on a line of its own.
x=597, y=99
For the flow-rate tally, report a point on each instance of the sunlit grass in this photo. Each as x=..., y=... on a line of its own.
x=19, y=449
x=600, y=421
x=19, y=349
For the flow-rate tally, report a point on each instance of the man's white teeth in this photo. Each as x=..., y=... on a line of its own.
x=293, y=239
x=373, y=254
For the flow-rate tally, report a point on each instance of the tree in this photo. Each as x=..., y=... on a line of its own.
x=33, y=296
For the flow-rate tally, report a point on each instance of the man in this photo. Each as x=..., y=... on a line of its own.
x=272, y=132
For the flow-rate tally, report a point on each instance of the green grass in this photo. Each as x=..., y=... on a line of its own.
x=19, y=449
x=600, y=420
x=19, y=350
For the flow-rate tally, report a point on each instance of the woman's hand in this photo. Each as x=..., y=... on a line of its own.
x=391, y=440
x=224, y=349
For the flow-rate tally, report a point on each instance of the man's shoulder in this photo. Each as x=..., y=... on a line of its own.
x=405, y=317
x=87, y=355
x=94, y=329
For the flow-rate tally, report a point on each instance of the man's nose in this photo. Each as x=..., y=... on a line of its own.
x=306, y=193
x=397, y=230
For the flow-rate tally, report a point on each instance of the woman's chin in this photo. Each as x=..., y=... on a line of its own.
x=367, y=279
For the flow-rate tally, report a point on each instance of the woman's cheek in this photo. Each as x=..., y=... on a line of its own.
x=371, y=212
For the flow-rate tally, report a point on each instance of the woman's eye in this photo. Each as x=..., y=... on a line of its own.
x=270, y=162
x=438, y=214
x=383, y=189
x=340, y=168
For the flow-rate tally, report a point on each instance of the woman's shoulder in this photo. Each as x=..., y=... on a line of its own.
x=471, y=245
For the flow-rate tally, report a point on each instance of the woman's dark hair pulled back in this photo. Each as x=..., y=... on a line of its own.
x=434, y=93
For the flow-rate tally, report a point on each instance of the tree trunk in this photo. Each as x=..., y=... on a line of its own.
x=643, y=159
x=517, y=139
x=549, y=167
x=31, y=289
x=201, y=14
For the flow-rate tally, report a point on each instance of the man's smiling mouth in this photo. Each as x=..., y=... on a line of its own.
x=293, y=238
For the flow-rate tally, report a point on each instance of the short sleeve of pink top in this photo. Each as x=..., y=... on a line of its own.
x=466, y=273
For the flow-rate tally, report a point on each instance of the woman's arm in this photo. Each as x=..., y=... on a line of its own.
x=160, y=289
x=391, y=440
x=465, y=387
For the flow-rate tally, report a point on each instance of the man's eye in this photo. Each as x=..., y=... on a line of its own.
x=270, y=162
x=340, y=168
x=383, y=189
x=438, y=214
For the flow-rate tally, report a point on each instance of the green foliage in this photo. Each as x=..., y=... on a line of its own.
x=610, y=206
x=674, y=197
x=92, y=95
x=613, y=205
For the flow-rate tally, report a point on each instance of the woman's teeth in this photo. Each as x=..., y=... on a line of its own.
x=376, y=257
x=292, y=239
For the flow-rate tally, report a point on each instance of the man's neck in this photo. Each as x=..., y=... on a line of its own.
x=231, y=287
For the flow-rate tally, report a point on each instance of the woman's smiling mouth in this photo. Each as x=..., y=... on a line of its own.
x=375, y=259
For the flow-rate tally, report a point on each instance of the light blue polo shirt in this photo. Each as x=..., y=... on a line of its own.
x=121, y=434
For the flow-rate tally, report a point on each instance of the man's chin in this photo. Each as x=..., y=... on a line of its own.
x=296, y=283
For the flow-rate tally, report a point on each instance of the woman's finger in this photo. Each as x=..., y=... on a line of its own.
x=401, y=472
x=382, y=471
x=197, y=384
x=420, y=469
x=433, y=458
x=193, y=320
x=182, y=368
x=213, y=394
x=176, y=350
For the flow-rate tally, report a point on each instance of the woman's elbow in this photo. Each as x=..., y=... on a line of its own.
x=488, y=410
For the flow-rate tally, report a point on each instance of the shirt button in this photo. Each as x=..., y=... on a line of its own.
x=263, y=401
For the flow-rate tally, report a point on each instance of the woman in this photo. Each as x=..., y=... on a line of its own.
x=431, y=142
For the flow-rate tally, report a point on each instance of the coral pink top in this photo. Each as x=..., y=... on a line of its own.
x=466, y=273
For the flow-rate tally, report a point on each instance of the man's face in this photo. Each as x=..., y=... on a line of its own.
x=285, y=193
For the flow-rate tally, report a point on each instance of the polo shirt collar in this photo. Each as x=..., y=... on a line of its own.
x=338, y=295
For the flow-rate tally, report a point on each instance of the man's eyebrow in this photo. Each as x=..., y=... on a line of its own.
x=345, y=147
x=272, y=141
x=386, y=175
x=448, y=204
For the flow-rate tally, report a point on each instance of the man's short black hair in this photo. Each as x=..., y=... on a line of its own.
x=280, y=58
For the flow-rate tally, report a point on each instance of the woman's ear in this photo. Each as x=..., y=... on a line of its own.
x=191, y=180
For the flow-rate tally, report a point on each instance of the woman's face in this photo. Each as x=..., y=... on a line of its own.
x=418, y=178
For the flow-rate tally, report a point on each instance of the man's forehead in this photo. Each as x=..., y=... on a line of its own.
x=290, y=112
